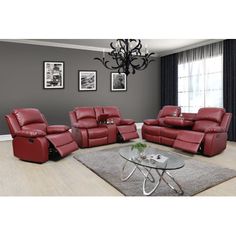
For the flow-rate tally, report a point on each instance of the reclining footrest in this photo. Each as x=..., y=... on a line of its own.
x=127, y=132
x=63, y=143
x=189, y=141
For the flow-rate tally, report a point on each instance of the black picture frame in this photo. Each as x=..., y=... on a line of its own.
x=53, y=74
x=118, y=82
x=87, y=80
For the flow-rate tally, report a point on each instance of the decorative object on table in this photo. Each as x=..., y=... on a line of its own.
x=196, y=176
x=128, y=56
x=118, y=82
x=53, y=72
x=87, y=80
x=140, y=148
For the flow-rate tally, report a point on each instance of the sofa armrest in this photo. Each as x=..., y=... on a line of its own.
x=30, y=133
x=126, y=122
x=151, y=122
x=214, y=130
x=54, y=129
x=177, y=122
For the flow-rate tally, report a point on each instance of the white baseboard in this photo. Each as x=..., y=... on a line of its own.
x=7, y=137
x=139, y=125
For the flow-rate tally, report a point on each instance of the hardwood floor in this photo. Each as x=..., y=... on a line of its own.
x=68, y=177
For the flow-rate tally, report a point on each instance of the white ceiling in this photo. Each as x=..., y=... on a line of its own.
x=160, y=47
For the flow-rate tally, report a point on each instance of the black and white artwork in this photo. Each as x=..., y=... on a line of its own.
x=53, y=75
x=87, y=80
x=118, y=82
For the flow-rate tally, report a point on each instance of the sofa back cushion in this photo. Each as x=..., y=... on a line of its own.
x=84, y=112
x=169, y=111
x=26, y=116
x=113, y=113
x=208, y=118
x=86, y=117
x=98, y=112
x=210, y=113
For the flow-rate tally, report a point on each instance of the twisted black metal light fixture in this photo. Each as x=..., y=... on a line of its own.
x=127, y=55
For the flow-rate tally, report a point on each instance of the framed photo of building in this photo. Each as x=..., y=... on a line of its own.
x=87, y=80
x=118, y=82
x=53, y=72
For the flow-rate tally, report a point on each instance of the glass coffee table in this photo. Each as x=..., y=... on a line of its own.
x=152, y=160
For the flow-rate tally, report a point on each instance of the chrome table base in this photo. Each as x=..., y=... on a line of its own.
x=149, y=177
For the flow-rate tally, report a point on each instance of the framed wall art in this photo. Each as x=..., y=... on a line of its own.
x=53, y=75
x=118, y=82
x=87, y=80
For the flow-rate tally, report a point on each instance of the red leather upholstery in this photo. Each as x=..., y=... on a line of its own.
x=169, y=111
x=151, y=122
x=113, y=113
x=33, y=139
x=28, y=116
x=188, y=140
x=30, y=133
x=177, y=122
x=88, y=128
x=55, y=129
x=204, y=132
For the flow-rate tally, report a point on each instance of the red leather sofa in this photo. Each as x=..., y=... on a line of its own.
x=204, y=132
x=36, y=141
x=94, y=126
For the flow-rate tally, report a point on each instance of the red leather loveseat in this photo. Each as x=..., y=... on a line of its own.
x=204, y=132
x=36, y=141
x=90, y=126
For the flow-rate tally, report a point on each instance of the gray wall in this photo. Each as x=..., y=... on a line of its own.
x=21, y=76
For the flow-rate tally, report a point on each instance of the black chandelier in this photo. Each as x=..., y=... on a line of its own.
x=127, y=55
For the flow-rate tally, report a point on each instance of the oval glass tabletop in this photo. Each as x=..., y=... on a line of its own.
x=153, y=158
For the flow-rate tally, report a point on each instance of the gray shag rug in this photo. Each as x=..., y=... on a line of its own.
x=195, y=177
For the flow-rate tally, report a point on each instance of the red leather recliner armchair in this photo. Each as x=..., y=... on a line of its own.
x=36, y=141
x=89, y=131
x=204, y=132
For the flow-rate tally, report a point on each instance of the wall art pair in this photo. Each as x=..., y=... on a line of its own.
x=88, y=81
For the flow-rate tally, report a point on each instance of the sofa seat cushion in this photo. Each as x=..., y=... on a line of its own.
x=97, y=132
x=39, y=126
x=203, y=125
x=54, y=129
x=188, y=140
x=152, y=130
x=178, y=122
x=169, y=132
x=86, y=123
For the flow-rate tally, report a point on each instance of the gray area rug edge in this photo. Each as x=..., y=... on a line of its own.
x=102, y=166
